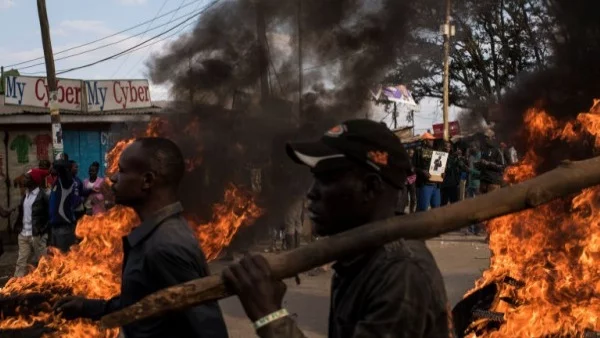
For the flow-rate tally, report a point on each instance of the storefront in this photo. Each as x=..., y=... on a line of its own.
x=25, y=136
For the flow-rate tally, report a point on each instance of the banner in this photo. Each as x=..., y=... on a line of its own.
x=109, y=95
x=33, y=91
x=77, y=95
x=453, y=129
x=398, y=94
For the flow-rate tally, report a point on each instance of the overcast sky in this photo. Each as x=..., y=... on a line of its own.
x=76, y=22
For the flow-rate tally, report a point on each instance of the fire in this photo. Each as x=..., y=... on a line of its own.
x=112, y=158
x=237, y=209
x=93, y=267
x=553, y=250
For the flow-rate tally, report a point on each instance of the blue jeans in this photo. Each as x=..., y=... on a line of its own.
x=428, y=195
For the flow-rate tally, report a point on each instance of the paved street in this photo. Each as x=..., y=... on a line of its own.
x=461, y=259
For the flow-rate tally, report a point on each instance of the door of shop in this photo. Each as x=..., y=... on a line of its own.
x=85, y=147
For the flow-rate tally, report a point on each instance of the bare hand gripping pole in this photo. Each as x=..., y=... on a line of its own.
x=567, y=179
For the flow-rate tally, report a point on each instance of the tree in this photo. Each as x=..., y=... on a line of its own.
x=496, y=40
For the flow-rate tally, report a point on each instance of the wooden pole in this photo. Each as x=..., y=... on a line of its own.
x=57, y=144
x=447, y=31
x=569, y=178
x=263, y=58
x=300, y=71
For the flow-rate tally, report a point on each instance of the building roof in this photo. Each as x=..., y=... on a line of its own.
x=10, y=114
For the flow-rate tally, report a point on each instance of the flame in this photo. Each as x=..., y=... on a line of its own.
x=238, y=208
x=92, y=268
x=553, y=249
x=112, y=157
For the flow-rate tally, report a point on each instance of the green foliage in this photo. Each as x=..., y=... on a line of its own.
x=495, y=41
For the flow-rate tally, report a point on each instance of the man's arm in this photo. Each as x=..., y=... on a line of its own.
x=282, y=328
x=79, y=307
x=96, y=308
x=260, y=295
x=399, y=304
x=175, y=264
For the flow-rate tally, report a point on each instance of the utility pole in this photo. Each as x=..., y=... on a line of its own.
x=447, y=31
x=263, y=59
x=57, y=142
x=300, y=73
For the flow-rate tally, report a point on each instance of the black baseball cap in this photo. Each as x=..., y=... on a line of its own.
x=361, y=141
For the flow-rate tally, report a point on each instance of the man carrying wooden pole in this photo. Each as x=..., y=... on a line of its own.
x=395, y=290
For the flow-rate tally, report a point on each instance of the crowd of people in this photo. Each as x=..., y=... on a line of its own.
x=53, y=199
x=472, y=168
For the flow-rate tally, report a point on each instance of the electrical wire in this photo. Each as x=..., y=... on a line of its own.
x=101, y=39
x=109, y=44
x=129, y=52
x=144, y=33
x=150, y=51
x=124, y=52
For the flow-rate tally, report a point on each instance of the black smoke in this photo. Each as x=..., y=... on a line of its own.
x=215, y=74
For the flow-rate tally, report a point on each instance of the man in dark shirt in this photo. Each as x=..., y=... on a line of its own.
x=392, y=291
x=451, y=185
x=160, y=252
x=492, y=166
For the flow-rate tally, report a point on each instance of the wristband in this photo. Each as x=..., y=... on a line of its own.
x=270, y=318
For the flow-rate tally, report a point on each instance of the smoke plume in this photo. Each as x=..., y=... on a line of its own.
x=236, y=76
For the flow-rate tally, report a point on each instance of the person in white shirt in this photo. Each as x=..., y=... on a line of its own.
x=32, y=221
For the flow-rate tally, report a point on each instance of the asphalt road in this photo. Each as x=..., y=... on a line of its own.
x=460, y=258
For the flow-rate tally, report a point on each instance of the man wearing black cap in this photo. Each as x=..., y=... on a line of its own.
x=392, y=291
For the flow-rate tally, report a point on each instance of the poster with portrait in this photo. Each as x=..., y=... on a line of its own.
x=437, y=167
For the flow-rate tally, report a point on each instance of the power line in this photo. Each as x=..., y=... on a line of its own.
x=110, y=44
x=104, y=38
x=144, y=33
x=160, y=40
x=139, y=44
x=133, y=50
x=150, y=51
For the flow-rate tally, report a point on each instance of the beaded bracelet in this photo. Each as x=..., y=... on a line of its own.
x=270, y=318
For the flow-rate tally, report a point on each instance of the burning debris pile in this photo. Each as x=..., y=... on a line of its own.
x=544, y=278
x=93, y=267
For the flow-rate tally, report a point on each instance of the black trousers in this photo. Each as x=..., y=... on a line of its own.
x=450, y=194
